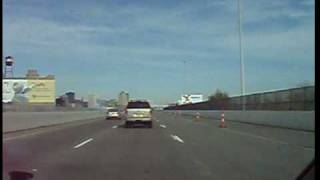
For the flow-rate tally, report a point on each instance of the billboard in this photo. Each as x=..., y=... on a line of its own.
x=191, y=98
x=28, y=90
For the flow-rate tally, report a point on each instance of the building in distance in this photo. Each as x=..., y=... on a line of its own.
x=32, y=73
x=68, y=100
x=123, y=99
x=92, y=101
x=71, y=96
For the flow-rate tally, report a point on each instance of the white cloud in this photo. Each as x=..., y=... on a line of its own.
x=296, y=45
x=307, y=2
x=258, y=11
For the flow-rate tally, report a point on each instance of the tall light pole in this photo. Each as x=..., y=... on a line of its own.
x=242, y=80
x=184, y=77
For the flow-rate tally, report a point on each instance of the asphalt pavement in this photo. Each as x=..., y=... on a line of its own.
x=177, y=147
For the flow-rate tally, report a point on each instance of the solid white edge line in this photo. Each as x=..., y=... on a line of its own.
x=36, y=133
x=83, y=143
x=23, y=135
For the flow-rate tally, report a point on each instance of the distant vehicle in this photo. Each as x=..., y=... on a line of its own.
x=113, y=114
x=138, y=112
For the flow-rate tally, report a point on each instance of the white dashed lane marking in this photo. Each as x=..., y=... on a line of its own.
x=175, y=137
x=163, y=126
x=83, y=143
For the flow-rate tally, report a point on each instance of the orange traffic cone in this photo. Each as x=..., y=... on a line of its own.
x=222, y=124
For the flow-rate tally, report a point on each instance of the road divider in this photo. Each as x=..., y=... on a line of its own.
x=83, y=143
x=17, y=121
x=222, y=124
x=296, y=120
x=197, y=116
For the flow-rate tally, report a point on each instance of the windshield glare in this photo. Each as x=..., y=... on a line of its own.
x=158, y=89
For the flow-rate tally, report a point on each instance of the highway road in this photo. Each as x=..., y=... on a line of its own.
x=177, y=147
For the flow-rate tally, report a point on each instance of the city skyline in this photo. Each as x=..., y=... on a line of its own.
x=139, y=47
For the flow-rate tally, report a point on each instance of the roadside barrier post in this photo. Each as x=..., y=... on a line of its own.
x=222, y=123
x=197, y=116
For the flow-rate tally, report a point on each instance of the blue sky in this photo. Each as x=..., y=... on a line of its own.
x=107, y=46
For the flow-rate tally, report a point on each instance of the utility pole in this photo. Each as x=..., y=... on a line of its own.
x=184, y=77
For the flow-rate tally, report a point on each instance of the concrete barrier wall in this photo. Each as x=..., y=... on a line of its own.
x=300, y=120
x=13, y=121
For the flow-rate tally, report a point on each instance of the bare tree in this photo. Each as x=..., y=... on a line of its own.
x=219, y=95
x=219, y=100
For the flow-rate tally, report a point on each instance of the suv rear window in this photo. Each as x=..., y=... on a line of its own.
x=113, y=110
x=138, y=105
